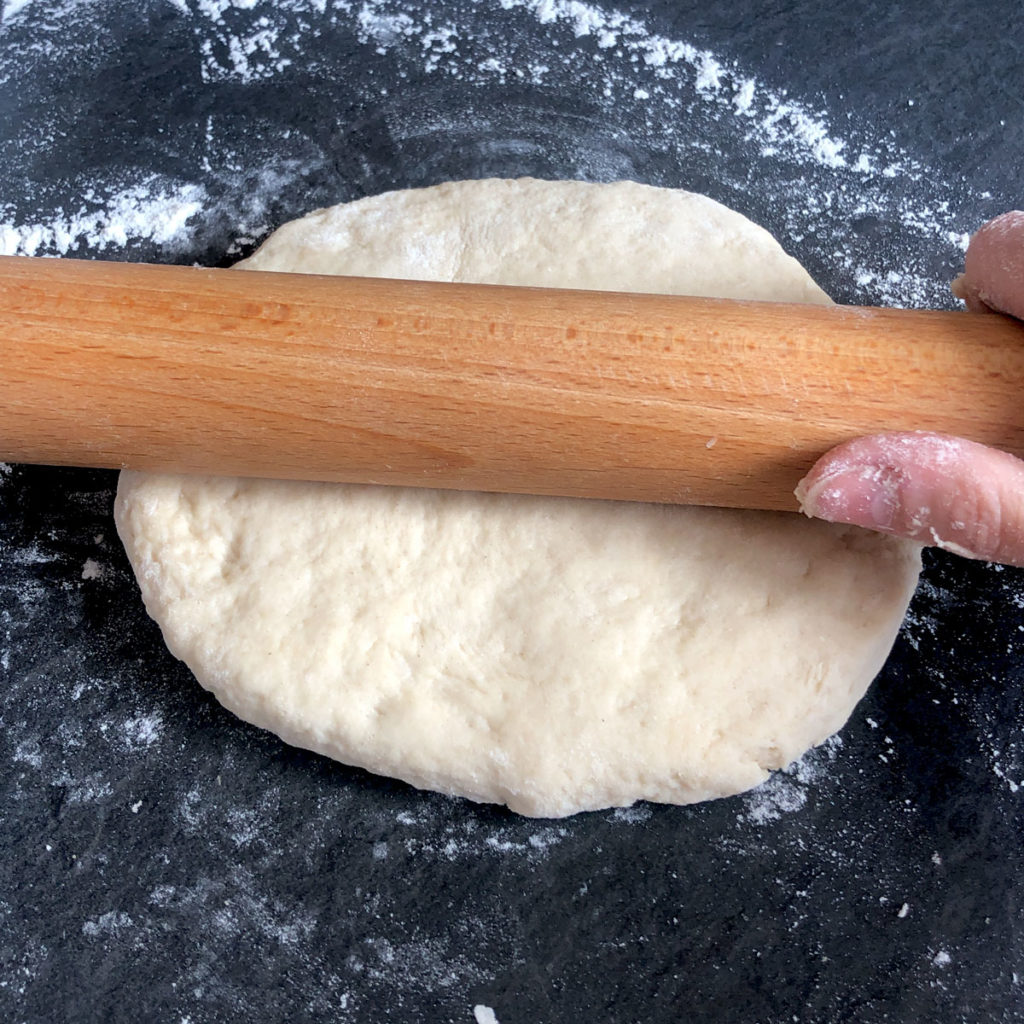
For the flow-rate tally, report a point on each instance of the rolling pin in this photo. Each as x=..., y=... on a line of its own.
x=477, y=387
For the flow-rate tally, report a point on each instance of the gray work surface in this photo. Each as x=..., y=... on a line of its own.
x=163, y=861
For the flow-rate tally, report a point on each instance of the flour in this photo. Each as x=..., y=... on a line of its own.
x=462, y=840
x=113, y=922
x=238, y=45
x=682, y=98
x=28, y=752
x=142, y=731
x=153, y=209
x=91, y=570
x=786, y=791
x=12, y=8
x=927, y=631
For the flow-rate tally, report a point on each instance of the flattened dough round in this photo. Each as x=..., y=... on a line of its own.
x=553, y=654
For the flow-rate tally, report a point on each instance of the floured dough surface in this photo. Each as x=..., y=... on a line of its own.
x=552, y=654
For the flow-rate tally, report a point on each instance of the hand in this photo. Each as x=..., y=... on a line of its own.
x=940, y=490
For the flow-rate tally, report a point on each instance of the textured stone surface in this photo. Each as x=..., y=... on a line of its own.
x=162, y=861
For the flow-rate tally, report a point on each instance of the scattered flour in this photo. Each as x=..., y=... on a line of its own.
x=28, y=752
x=113, y=922
x=424, y=964
x=143, y=731
x=152, y=209
x=635, y=815
x=786, y=791
x=11, y=8
x=684, y=99
x=92, y=570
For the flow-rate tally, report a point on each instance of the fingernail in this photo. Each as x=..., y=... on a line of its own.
x=867, y=496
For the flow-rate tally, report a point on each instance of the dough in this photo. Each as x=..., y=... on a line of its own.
x=552, y=654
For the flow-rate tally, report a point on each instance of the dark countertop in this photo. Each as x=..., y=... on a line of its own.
x=163, y=861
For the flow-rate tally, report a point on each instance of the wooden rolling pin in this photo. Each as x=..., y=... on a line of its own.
x=594, y=394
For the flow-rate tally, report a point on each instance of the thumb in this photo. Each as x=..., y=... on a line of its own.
x=939, y=490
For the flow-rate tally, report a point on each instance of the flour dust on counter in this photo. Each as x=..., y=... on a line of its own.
x=49, y=578
x=552, y=654
x=155, y=210
x=827, y=186
x=970, y=710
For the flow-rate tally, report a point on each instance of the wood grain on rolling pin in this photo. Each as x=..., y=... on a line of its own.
x=654, y=398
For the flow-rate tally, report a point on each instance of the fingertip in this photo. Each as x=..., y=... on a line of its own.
x=940, y=491
x=993, y=276
x=857, y=482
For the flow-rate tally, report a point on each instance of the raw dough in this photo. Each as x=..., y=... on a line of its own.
x=552, y=654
